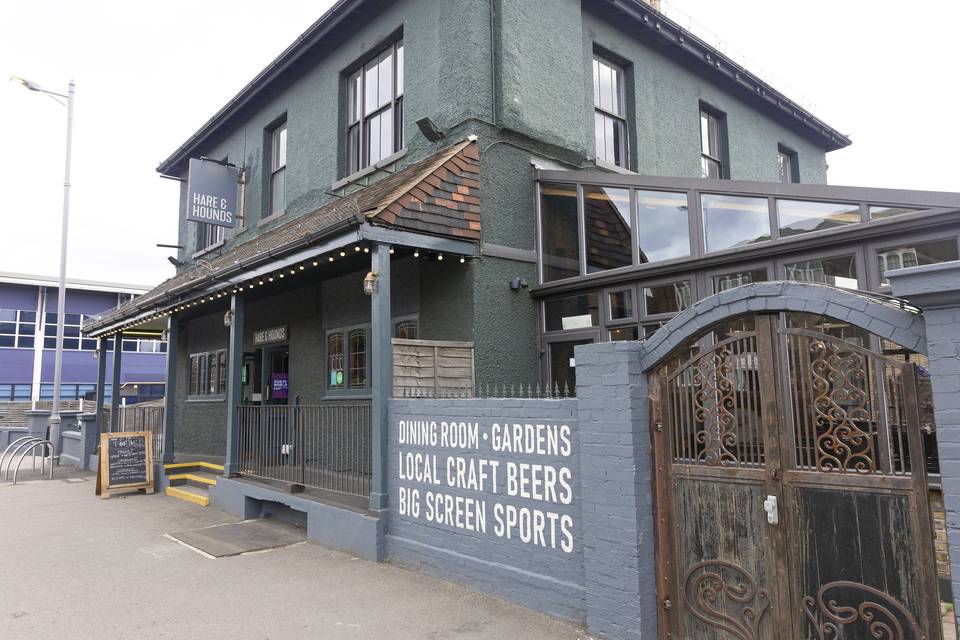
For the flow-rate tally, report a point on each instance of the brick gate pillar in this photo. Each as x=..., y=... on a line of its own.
x=616, y=485
x=936, y=289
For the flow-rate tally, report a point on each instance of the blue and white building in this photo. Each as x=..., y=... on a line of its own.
x=28, y=330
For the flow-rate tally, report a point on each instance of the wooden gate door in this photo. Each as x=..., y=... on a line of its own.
x=861, y=545
x=791, y=493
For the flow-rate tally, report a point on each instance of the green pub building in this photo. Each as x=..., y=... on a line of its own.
x=436, y=198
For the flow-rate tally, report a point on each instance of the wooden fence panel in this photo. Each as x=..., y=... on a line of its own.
x=432, y=368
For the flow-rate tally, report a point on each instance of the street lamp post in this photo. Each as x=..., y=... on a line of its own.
x=61, y=290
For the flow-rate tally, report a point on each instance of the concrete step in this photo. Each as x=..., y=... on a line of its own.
x=189, y=494
x=186, y=467
x=199, y=479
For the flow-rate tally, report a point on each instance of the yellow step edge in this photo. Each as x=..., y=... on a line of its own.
x=195, y=478
x=180, y=494
x=183, y=465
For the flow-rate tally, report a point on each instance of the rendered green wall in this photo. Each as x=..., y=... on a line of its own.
x=547, y=93
x=534, y=106
x=447, y=77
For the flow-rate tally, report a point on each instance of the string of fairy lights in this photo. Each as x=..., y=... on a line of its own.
x=273, y=277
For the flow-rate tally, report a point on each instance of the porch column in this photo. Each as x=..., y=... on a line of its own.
x=101, y=383
x=381, y=358
x=115, y=391
x=170, y=390
x=234, y=381
x=935, y=288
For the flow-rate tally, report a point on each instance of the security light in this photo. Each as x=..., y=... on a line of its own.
x=430, y=130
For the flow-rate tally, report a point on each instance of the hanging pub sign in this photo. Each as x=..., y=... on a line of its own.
x=270, y=335
x=212, y=193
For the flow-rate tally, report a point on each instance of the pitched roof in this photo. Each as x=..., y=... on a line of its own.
x=687, y=45
x=439, y=195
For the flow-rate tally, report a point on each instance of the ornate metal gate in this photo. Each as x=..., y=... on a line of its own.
x=791, y=492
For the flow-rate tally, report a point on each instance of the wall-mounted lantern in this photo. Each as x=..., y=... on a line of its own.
x=370, y=283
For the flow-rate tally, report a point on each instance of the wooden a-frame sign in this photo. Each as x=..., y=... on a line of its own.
x=126, y=462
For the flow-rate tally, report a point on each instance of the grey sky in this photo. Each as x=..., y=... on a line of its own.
x=149, y=74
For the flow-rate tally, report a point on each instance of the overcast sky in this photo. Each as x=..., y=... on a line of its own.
x=149, y=74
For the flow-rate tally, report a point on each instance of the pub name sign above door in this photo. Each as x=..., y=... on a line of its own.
x=272, y=335
x=212, y=192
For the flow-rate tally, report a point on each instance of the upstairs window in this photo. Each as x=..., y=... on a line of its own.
x=17, y=329
x=72, y=340
x=375, y=109
x=278, y=169
x=609, y=110
x=208, y=235
x=713, y=136
x=787, y=168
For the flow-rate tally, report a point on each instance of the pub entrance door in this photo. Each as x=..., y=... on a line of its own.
x=276, y=375
x=791, y=492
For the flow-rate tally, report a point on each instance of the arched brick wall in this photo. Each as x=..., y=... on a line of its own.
x=887, y=321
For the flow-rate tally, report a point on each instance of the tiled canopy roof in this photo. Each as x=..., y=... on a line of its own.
x=439, y=195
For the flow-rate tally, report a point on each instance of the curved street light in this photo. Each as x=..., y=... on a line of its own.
x=54, y=421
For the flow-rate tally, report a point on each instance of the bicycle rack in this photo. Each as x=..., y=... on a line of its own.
x=31, y=447
x=23, y=445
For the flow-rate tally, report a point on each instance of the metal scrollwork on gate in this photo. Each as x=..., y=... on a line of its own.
x=726, y=597
x=714, y=377
x=841, y=405
x=884, y=617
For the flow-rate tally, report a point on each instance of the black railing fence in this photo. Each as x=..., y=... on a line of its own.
x=142, y=417
x=320, y=446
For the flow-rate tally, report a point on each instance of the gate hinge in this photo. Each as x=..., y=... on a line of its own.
x=658, y=426
x=667, y=604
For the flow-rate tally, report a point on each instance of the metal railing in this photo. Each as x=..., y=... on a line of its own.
x=141, y=417
x=320, y=446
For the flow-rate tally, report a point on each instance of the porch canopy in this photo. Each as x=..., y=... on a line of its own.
x=431, y=205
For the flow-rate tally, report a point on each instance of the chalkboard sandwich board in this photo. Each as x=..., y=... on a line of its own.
x=126, y=462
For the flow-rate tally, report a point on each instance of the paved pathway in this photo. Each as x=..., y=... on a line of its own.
x=102, y=569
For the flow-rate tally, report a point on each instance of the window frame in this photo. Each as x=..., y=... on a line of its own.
x=413, y=317
x=708, y=283
x=873, y=249
x=209, y=237
x=783, y=151
x=354, y=108
x=621, y=70
x=684, y=276
x=44, y=336
x=825, y=253
x=17, y=322
x=345, y=390
x=10, y=394
x=277, y=129
x=722, y=158
x=208, y=365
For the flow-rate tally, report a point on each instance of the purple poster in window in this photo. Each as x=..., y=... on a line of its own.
x=278, y=387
